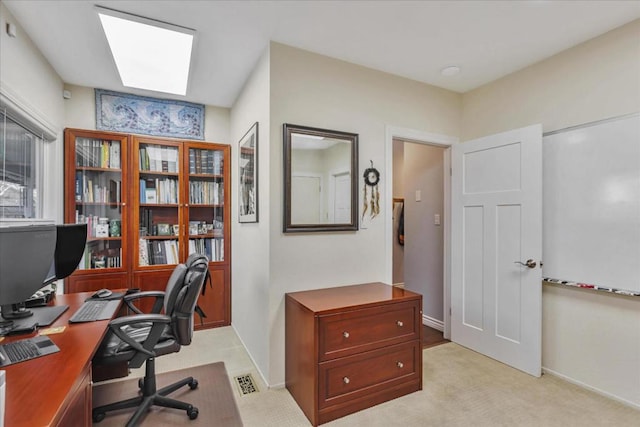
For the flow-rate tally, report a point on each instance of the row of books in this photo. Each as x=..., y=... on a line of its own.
x=97, y=190
x=157, y=158
x=158, y=252
x=155, y=252
x=205, y=161
x=213, y=249
x=93, y=222
x=161, y=191
x=206, y=192
x=94, y=257
x=95, y=153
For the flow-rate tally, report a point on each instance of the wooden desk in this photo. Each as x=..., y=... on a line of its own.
x=55, y=390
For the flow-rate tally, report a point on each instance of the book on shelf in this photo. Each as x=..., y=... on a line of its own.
x=164, y=159
x=150, y=195
x=148, y=190
x=114, y=191
x=143, y=159
x=198, y=161
x=192, y=160
x=218, y=162
x=104, y=154
x=114, y=155
x=155, y=160
x=143, y=252
x=157, y=252
x=143, y=191
x=171, y=251
x=173, y=160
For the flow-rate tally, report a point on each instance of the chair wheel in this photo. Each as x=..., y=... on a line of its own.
x=192, y=413
x=193, y=385
x=98, y=416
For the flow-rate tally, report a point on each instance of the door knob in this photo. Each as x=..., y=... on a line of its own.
x=529, y=263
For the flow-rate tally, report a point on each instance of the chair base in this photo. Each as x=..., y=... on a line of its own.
x=150, y=396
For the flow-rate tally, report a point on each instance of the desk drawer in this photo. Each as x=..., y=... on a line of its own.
x=372, y=372
x=366, y=329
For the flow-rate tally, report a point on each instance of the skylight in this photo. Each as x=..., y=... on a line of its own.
x=149, y=54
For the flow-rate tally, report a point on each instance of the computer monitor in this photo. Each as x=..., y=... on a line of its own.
x=70, y=242
x=26, y=253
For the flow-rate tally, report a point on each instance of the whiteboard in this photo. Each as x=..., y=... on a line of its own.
x=591, y=204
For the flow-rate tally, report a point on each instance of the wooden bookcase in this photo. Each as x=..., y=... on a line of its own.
x=167, y=199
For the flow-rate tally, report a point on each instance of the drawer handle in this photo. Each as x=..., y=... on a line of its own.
x=400, y=323
x=345, y=334
x=346, y=380
x=400, y=365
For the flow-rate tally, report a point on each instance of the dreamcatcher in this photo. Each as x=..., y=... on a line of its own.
x=370, y=192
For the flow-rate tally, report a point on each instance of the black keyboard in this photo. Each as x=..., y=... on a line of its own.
x=21, y=350
x=26, y=349
x=95, y=310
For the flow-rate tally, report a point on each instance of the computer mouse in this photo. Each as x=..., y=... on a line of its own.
x=102, y=293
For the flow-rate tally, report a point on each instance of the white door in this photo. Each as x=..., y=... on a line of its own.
x=342, y=198
x=496, y=303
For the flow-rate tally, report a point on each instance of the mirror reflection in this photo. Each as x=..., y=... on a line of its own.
x=320, y=179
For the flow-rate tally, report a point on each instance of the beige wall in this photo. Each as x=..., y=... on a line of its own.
x=26, y=74
x=29, y=81
x=587, y=338
x=250, y=263
x=314, y=90
x=594, y=80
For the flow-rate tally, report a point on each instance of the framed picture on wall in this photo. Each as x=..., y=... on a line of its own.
x=248, y=173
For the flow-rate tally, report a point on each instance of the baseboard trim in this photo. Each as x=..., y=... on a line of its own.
x=264, y=379
x=591, y=388
x=433, y=323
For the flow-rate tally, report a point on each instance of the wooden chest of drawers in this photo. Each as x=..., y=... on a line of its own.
x=351, y=347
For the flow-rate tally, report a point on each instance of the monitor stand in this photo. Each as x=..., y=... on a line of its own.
x=45, y=316
x=42, y=316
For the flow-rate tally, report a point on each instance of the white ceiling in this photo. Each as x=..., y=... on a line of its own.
x=413, y=39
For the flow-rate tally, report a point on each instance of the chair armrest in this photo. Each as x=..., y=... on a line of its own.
x=158, y=322
x=157, y=304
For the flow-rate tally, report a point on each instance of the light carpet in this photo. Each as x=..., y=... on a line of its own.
x=462, y=388
x=213, y=398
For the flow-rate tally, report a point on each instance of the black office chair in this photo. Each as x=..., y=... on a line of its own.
x=141, y=337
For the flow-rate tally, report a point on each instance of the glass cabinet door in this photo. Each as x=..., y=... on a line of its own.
x=99, y=199
x=206, y=204
x=158, y=203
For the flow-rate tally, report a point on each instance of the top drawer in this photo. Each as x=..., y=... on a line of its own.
x=366, y=329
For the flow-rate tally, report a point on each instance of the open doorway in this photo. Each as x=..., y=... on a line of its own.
x=419, y=165
x=418, y=248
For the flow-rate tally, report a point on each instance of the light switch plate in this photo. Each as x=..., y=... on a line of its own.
x=418, y=195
